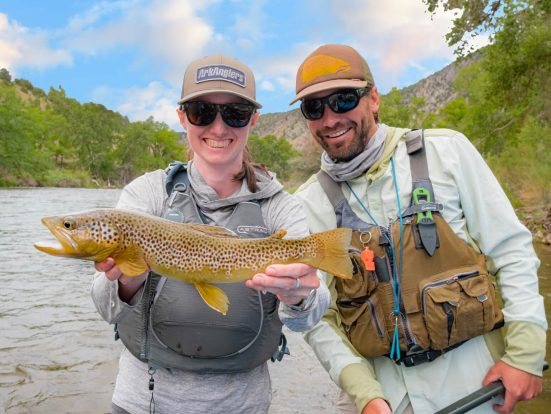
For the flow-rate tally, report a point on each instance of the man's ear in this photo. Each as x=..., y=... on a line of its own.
x=374, y=100
x=254, y=118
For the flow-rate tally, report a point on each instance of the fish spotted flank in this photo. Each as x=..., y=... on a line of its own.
x=193, y=253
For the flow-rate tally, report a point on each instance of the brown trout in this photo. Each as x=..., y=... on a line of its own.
x=194, y=253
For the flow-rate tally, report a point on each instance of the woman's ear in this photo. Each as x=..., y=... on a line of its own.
x=182, y=117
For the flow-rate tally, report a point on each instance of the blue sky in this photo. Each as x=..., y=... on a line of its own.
x=130, y=55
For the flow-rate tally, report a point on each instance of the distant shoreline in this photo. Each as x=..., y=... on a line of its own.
x=536, y=219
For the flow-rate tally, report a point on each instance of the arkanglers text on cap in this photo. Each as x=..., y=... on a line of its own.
x=220, y=72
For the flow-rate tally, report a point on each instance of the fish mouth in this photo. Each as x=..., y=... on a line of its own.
x=66, y=245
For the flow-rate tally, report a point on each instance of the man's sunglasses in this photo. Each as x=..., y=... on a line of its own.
x=340, y=102
x=235, y=115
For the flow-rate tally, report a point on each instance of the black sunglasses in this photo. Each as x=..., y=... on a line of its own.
x=341, y=101
x=235, y=115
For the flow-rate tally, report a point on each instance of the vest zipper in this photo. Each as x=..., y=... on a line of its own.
x=448, y=281
x=450, y=319
x=375, y=318
x=410, y=338
x=144, y=351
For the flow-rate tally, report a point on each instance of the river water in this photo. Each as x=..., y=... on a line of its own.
x=58, y=356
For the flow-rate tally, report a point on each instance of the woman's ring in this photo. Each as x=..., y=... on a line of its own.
x=297, y=283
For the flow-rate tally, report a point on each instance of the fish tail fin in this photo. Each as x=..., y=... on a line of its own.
x=334, y=257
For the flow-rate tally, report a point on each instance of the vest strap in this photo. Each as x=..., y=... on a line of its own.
x=331, y=188
x=176, y=177
x=422, y=191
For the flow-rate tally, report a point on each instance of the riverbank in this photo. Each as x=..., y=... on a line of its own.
x=538, y=221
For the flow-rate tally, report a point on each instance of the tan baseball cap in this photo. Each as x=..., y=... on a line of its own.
x=218, y=73
x=332, y=67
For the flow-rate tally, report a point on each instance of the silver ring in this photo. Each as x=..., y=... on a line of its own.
x=297, y=283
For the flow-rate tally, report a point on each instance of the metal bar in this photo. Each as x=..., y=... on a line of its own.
x=477, y=398
x=474, y=399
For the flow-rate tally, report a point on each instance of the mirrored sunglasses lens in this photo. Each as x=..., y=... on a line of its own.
x=343, y=102
x=236, y=115
x=200, y=113
x=312, y=109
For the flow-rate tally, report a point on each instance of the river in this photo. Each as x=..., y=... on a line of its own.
x=58, y=356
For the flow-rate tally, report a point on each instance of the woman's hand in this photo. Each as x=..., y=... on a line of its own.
x=128, y=285
x=291, y=283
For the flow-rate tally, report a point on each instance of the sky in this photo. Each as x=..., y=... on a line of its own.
x=130, y=55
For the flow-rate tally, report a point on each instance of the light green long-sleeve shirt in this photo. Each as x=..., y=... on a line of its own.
x=479, y=212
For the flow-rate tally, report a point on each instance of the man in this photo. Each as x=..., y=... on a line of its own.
x=417, y=336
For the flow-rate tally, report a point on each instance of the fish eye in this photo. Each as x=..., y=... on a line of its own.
x=68, y=224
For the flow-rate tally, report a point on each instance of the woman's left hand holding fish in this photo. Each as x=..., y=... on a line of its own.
x=291, y=283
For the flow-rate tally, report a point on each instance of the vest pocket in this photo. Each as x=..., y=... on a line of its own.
x=458, y=308
x=364, y=325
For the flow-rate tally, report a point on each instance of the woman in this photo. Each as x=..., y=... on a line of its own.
x=180, y=355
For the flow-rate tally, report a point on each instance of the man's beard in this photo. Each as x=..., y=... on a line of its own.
x=356, y=147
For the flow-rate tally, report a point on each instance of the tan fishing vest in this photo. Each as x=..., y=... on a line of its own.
x=446, y=294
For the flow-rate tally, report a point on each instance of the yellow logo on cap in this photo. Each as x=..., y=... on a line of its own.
x=323, y=65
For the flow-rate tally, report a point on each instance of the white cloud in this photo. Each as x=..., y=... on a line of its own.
x=168, y=31
x=138, y=104
x=248, y=27
x=395, y=32
x=417, y=66
x=267, y=86
x=282, y=69
x=20, y=46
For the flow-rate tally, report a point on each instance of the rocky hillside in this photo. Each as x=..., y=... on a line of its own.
x=437, y=89
x=290, y=125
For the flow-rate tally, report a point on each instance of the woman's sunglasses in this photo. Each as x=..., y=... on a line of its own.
x=235, y=115
x=342, y=101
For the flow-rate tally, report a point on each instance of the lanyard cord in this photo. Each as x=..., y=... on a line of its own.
x=395, y=349
x=396, y=273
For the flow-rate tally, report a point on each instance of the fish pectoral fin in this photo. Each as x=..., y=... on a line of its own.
x=212, y=230
x=213, y=296
x=131, y=261
x=279, y=234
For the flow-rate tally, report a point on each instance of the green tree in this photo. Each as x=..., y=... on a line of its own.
x=144, y=146
x=18, y=155
x=5, y=75
x=396, y=111
x=474, y=17
x=273, y=152
x=507, y=88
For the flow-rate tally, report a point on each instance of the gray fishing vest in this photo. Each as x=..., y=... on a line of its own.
x=172, y=327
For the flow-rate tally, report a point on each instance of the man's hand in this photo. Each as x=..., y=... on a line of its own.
x=377, y=406
x=519, y=385
x=128, y=285
x=291, y=283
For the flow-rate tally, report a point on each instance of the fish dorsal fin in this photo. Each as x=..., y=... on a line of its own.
x=212, y=230
x=279, y=234
x=213, y=296
x=131, y=261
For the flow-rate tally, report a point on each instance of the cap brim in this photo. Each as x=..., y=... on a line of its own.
x=332, y=84
x=208, y=92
